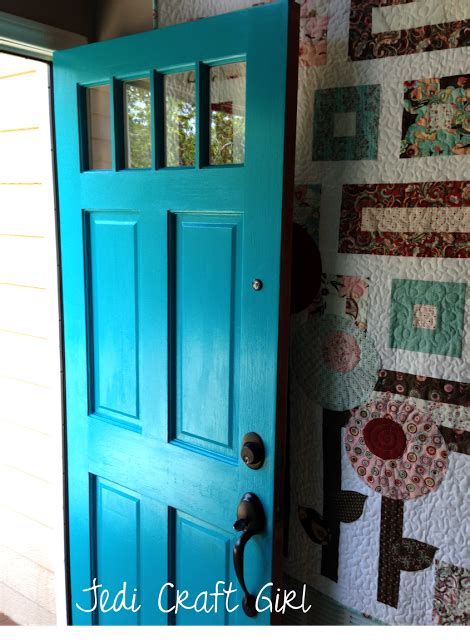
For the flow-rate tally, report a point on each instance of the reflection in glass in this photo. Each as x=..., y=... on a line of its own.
x=99, y=127
x=180, y=120
x=138, y=136
x=227, y=126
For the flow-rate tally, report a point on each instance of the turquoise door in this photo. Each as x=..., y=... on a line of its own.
x=174, y=169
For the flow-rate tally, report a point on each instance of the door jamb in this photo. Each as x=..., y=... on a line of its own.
x=281, y=485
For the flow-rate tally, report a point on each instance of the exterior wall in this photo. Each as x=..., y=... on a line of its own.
x=30, y=413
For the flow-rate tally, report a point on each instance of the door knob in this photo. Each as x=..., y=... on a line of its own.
x=251, y=520
x=252, y=452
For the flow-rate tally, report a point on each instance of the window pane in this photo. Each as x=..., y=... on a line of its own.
x=99, y=127
x=138, y=137
x=180, y=120
x=227, y=130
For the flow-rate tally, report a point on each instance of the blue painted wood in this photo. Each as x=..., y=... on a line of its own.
x=171, y=356
x=112, y=282
x=117, y=510
x=207, y=282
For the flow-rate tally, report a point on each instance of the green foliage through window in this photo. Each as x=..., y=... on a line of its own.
x=138, y=138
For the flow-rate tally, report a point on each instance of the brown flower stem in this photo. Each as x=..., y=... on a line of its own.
x=391, y=535
x=333, y=421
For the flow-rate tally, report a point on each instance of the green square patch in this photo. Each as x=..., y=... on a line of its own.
x=346, y=123
x=427, y=316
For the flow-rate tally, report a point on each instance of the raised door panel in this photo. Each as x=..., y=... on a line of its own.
x=116, y=548
x=112, y=250
x=129, y=542
x=203, y=566
x=207, y=252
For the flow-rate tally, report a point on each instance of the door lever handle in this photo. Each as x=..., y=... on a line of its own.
x=251, y=520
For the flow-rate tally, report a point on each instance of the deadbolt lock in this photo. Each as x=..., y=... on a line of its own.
x=253, y=453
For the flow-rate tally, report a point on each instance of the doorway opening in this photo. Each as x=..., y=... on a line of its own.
x=31, y=462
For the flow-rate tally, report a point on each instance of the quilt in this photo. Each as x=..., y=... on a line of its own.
x=380, y=345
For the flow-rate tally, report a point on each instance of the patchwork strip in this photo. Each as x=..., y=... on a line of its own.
x=428, y=219
x=416, y=219
x=364, y=44
x=424, y=387
x=420, y=13
x=452, y=416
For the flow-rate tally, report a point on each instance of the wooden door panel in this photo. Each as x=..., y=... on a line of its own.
x=112, y=285
x=207, y=263
x=202, y=557
x=116, y=552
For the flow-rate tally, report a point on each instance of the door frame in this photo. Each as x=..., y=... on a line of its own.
x=281, y=484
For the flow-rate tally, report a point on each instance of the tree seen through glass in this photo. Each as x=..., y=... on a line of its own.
x=227, y=119
x=138, y=134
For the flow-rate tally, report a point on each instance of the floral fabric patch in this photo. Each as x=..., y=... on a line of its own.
x=325, y=370
x=347, y=296
x=426, y=219
x=396, y=449
x=364, y=101
x=424, y=316
x=457, y=440
x=436, y=117
x=313, y=34
x=451, y=595
x=366, y=45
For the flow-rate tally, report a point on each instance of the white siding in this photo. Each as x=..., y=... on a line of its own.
x=30, y=418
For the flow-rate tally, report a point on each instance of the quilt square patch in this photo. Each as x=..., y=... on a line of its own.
x=410, y=309
x=424, y=316
x=359, y=104
x=451, y=595
x=368, y=39
x=436, y=117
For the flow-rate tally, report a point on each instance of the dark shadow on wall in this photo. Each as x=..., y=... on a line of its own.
x=76, y=17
